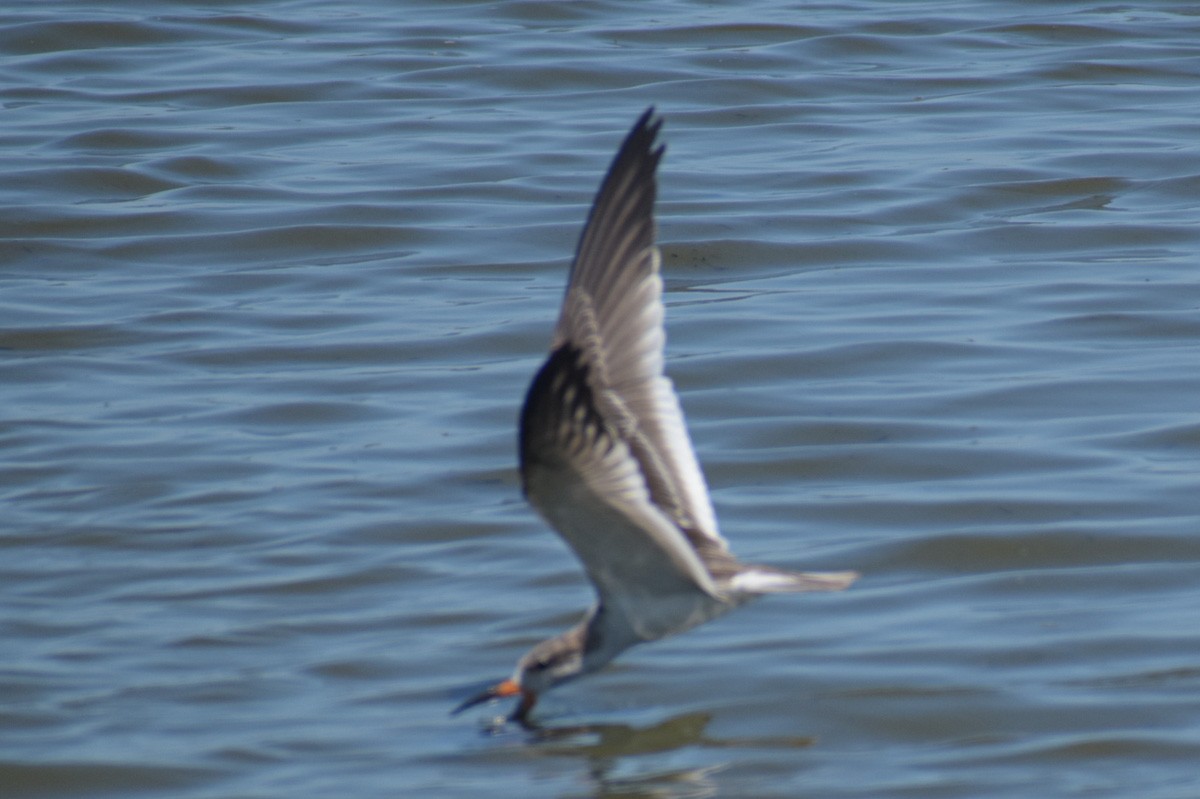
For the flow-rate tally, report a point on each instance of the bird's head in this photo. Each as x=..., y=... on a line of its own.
x=546, y=665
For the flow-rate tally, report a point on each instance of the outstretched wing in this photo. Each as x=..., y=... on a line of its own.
x=605, y=455
x=613, y=308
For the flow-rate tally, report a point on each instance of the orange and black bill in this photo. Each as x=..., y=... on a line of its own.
x=500, y=691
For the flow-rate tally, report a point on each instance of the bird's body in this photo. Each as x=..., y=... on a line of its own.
x=605, y=455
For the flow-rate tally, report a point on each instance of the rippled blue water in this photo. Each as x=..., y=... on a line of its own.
x=274, y=277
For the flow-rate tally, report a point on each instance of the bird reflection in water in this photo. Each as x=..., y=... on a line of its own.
x=608, y=747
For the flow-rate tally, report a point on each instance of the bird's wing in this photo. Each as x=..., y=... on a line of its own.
x=605, y=455
x=584, y=479
x=613, y=309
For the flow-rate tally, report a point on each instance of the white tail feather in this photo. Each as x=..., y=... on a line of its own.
x=765, y=580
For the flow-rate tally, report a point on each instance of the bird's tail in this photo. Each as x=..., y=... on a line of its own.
x=769, y=580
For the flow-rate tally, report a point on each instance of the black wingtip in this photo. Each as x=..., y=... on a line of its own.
x=624, y=204
x=639, y=146
x=649, y=120
x=644, y=133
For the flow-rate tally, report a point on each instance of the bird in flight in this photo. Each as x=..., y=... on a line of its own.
x=606, y=459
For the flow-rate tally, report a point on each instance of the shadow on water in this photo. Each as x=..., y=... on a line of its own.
x=605, y=749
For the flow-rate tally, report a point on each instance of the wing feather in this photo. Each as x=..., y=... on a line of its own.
x=605, y=455
x=613, y=309
x=582, y=477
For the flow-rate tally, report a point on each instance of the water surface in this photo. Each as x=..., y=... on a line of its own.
x=274, y=278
